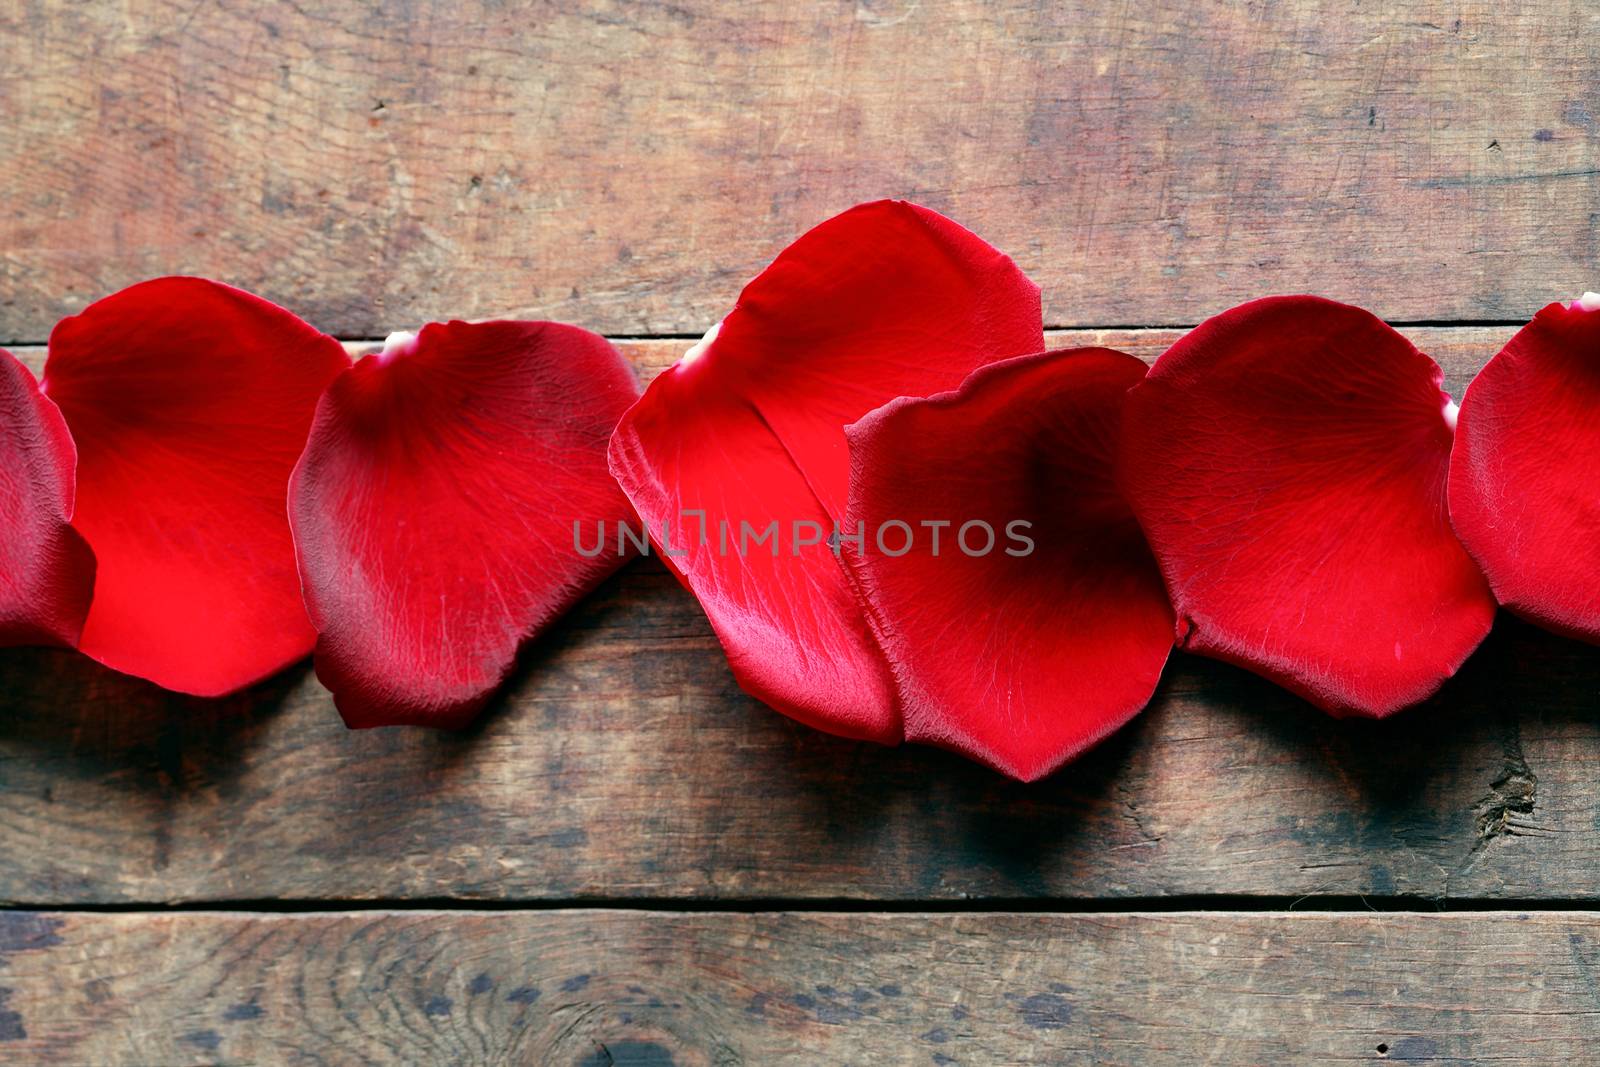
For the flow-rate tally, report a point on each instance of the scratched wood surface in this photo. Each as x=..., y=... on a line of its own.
x=627, y=165
x=624, y=763
x=593, y=989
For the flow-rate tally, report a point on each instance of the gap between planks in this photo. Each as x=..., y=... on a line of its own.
x=1123, y=327
x=1184, y=904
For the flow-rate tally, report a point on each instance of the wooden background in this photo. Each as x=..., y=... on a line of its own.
x=629, y=862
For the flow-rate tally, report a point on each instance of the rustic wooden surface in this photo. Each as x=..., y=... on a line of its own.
x=592, y=989
x=624, y=763
x=628, y=165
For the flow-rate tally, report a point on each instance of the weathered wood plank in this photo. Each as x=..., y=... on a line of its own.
x=624, y=763
x=640, y=988
x=627, y=166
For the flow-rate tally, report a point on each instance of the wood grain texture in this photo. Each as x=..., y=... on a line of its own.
x=627, y=166
x=594, y=989
x=624, y=763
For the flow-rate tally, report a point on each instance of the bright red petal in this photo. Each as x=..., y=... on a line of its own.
x=190, y=402
x=1018, y=645
x=434, y=510
x=46, y=571
x=1287, y=460
x=699, y=461
x=886, y=300
x=1523, y=490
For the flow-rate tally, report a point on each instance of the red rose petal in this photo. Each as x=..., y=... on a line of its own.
x=189, y=402
x=1288, y=460
x=433, y=510
x=1026, y=654
x=789, y=623
x=886, y=300
x=46, y=570
x=1523, y=491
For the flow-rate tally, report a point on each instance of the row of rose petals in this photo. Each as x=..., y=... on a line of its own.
x=1285, y=489
x=431, y=490
x=1272, y=493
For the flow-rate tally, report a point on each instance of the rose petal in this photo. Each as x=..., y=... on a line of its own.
x=1024, y=654
x=190, y=401
x=1287, y=460
x=46, y=570
x=694, y=457
x=434, y=510
x=885, y=300
x=1523, y=493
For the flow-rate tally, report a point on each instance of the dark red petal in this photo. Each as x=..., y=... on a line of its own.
x=886, y=300
x=1288, y=460
x=190, y=402
x=1026, y=654
x=1523, y=490
x=46, y=571
x=434, y=510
